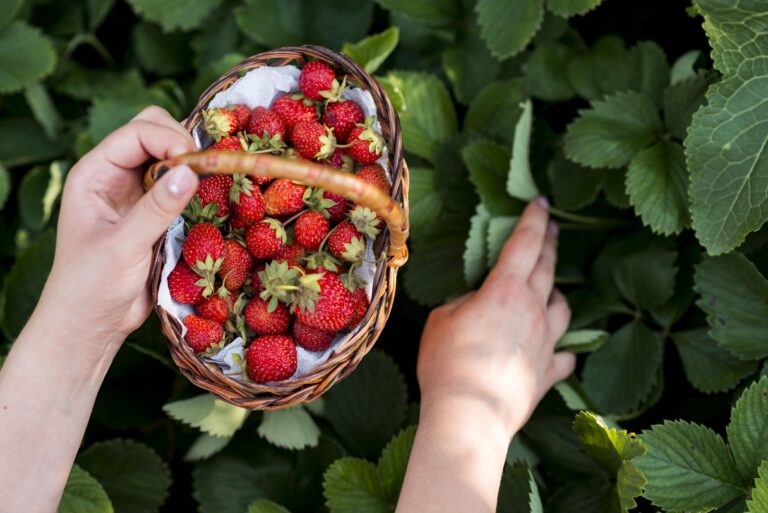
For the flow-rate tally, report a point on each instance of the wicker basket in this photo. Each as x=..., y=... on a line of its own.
x=394, y=211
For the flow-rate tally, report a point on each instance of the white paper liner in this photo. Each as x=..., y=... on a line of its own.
x=259, y=88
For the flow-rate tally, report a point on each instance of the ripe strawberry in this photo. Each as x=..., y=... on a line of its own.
x=185, y=285
x=339, y=210
x=246, y=198
x=364, y=144
x=346, y=243
x=342, y=116
x=202, y=334
x=260, y=319
x=313, y=140
x=360, y=304
x=233, y=143
x=265, y=238
x=375, y=175
x=291, y=253
x=236, y=265
x=294, y=109
x=203, y=251
x=323, y=302
x=312, y=339
x=256, y=279
x=310, y=230
x=340, y=160
x=220, y=123
x=278, y=281
x=271, y=358
x=215, y=189
x=318, y=81
x=215, y=308
x=242, y=114
x=284, y=198
x=237, y=223
x=267, y=129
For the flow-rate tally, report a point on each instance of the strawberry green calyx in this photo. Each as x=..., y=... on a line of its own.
x=217, y=123
x=242, y=185
x=351, y=280
x=196, y=213
x=308, y=292
x=328, y=145
x=266, y=143
x=322, y=259
x=207, y=270
x=304, y=99
x=315, y=201
x=354, y=250
x=279, y=282
x=365, y=221
x=277, y=226
x=335, y=92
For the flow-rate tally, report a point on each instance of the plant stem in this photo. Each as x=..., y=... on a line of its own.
x=602, y=222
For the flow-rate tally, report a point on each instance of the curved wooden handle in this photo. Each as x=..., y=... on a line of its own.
x=224, y=162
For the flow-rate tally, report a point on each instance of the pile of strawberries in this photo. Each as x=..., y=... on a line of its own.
x=273, y=261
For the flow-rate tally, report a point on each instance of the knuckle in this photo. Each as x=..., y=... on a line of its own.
x=151, y=112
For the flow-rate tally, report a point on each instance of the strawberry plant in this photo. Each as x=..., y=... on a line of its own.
x=641, y=122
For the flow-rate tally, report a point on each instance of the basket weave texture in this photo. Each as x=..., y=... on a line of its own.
x=390, y=243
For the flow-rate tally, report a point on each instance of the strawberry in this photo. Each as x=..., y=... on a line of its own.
x=339, y=210
x=215, y=308
x=346, y=243
x=237, y=223
x=236, y=265
x=202, y=334
x=341, y=117
x=278, y=281
x=267, y=129
x=271, y=358
x=265, y=238
x=375, y=175
x=310, y=230
x=321, y=262
x=220, y=123
x=318, y=81
x=291, y=253
x=313, y=140
x=246, y=198
x=242, y=114
x=360, y=304
x=340, y=160
x=365, y=144
x=293, y=109
x=215, y=190
x=256, y=279
x=284, y=198
x=322, y=301
x=233, y=143
x=184, y=284
x=203, y=251
x=312, y=339
x=264, y=321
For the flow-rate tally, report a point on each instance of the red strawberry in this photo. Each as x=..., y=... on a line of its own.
x=346, y=243
x=312, y=339
x=260, y=319
x=365, y=144
x=340, y=160
x=238, y=223
x=339, y=210
x=323, y=302
x=293, y=109
x=267, y=129
x=203, y=251
x=310, y=230
x=202, y=334
x=220, y=123
x=242, y=114
x=313, y=140
x=236, y=265
x=265, y=238
x=271, y=358
x=375, y=175
x=233, y=143
x=256, y=279
x=318, y=81
x=215, y=308
x=246, y=198
x=322, y=262
x=291, y=253
x=215, y=189
x=360, y=304
x=342, y=116
x=284, y=198
x=185, y=285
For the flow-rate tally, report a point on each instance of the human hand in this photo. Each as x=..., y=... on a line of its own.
x=107, y=226
x=492, y=351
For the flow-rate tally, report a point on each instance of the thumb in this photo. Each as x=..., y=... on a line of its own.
x=153, y=213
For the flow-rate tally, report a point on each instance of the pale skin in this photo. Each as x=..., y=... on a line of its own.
x=486, y=358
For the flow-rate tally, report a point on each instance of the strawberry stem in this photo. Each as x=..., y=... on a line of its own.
x=602, y=222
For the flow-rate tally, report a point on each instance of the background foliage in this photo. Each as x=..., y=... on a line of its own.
x=644, y=124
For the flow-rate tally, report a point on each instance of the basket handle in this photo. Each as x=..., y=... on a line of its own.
x=224, y=162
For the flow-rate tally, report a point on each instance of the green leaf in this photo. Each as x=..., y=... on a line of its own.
x=734, y=296
x=368, y=407
x=23, y=142
x=614, y=189
x=292, y=428
x=83, y=494
x=650, y=70
x=133, y=475
x=25, y=281
x=758, y=503
x=582, y=341
x=352, y=485
x=748, y=428
x=645, y=273
x=161, y=53
x=469, y=65
x=97, y=12
x=499, y=230
x=495, y=109
x=520, y=183
x=206, y=446
x=546, y=73
x=372, y=51
x=5, y=185
x=709, y=367
x=12, y=8
x=227, y=485
x=26, y=56
x=683, y=68
x=507, y=26
x=488, y=165
x=394, y=461
x=428, y=118
x=612, y=132
x=688, y=468
x=568, y=8
x=265, y=506
x=109, y=113
x=680, y=101
x=42, y=107
x=518, y=492
x=623, y=372
x=210, y=415
x=475, y=254
x=657, y=185
x=175, y=14
x=573, y=186
x=425, y=203
x=427, y=12
x=573, y=395
x=218, y=38
x=601, y=70
x=38, y=192
x=86, y=84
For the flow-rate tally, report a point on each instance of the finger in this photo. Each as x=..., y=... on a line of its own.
x=521, y=251
x=453, y=305
x=160, y=116
x=562, y=366
x=153, y=213
x=133, y=144
x=543, y=275
x=558, y=316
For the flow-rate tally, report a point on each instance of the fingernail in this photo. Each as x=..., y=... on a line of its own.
x=180, y=180
x=543, y=202
x=554, y=228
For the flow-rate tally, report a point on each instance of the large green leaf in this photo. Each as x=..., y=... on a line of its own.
x=209, y=414
x=599, y=70
x=495, y=109
x=26, y=56
x=748, y=429
x=218, y=38
x=133, y=475
x=206, y=446
x=372, y=51
x=735, y=297
x=645, y=273
x=227, y=485
x=97, y=12
x=612, y=132
x=725, y=146
x=265, y=506
x=520, y=183
x=5, y=185
x=468, y=64
x=574, y=186
x=23, y=141
x=582, y=341
x=546, y=72
x=427, y=12
x=488, y=165
x=758, y=503
x=161, y=53
x=175, y=14
x=499, y=230
x=38, y=192
x=689, y=468
x=352, y=485
x=83, y=494
x=394, y=461
x=507, y=26
x=568, y=8
x=43, y=108
x=475, y=252
x=111, y=112
x=424, y=198
x=12, y=8
x=518, y=492
x=680, y=101
x=292, y=428
x=657, y=186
